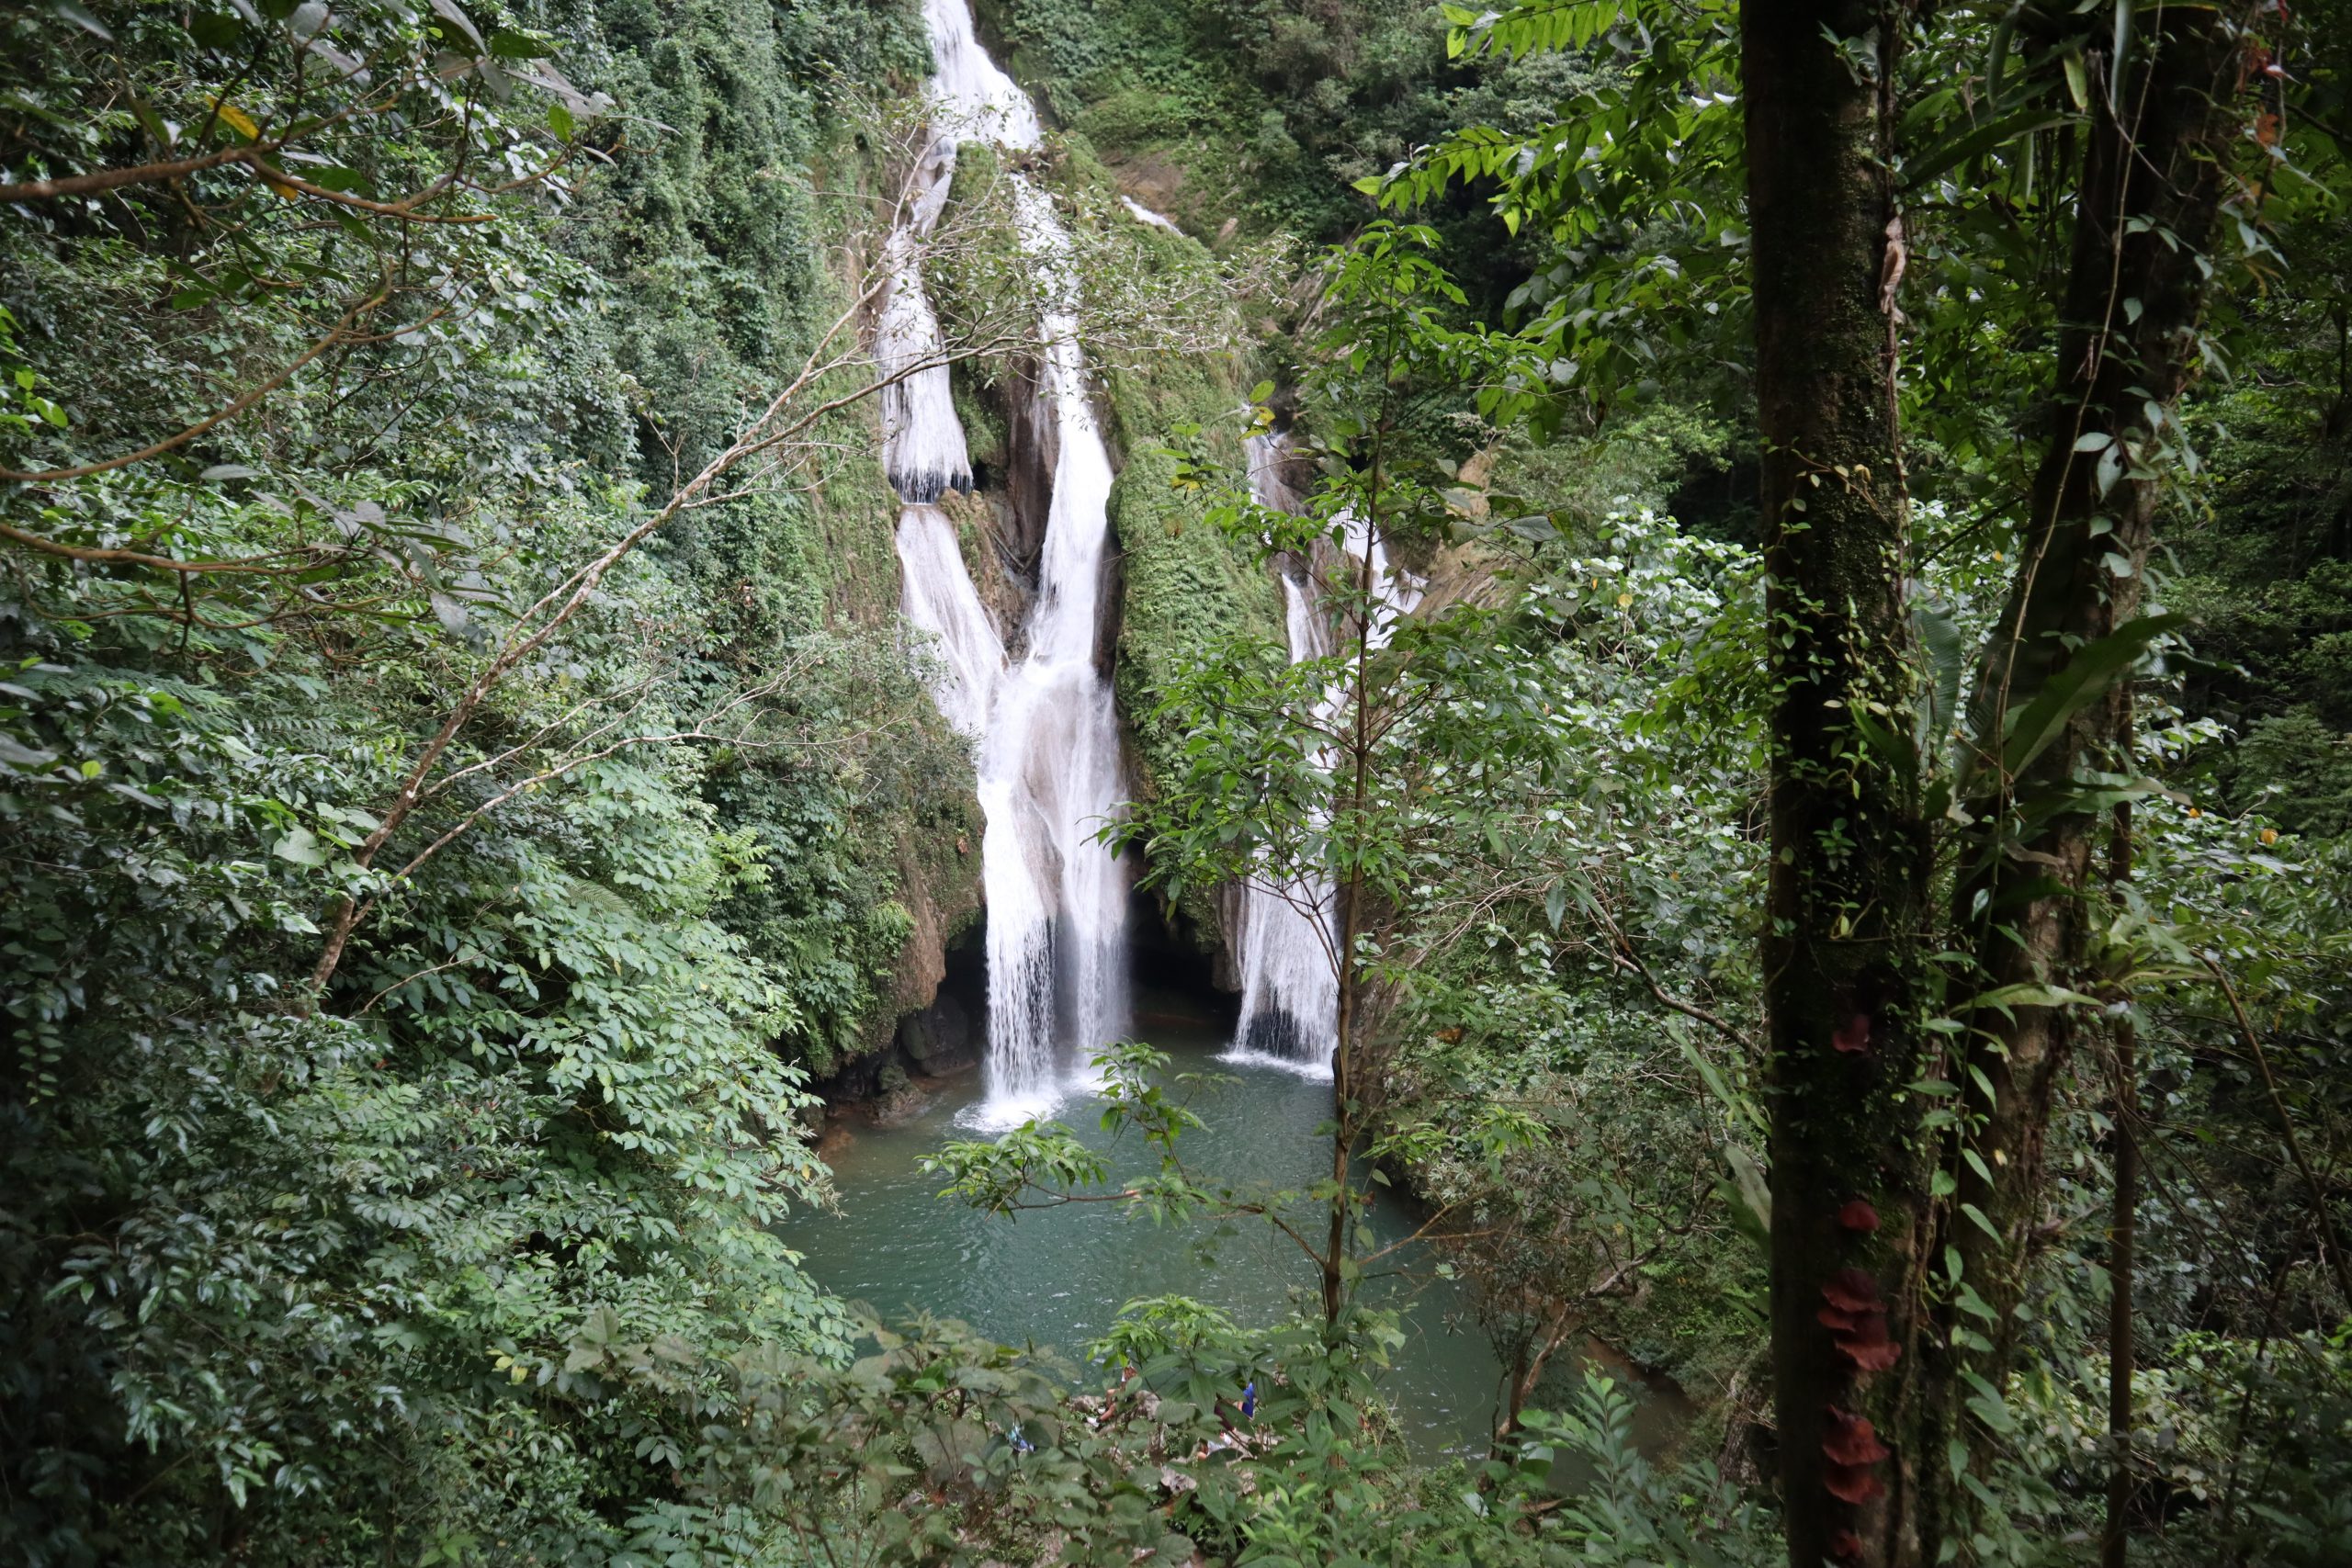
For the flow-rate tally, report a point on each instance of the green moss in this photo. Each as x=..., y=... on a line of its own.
x=986, y=436
x=1134, y=120
x=1187, y=588
x=1187, y=585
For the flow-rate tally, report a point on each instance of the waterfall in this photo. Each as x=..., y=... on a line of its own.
x=1290, y=992
x=1046, y=727
x=1143, y=214
x=1394, y=594
x=1289, y=989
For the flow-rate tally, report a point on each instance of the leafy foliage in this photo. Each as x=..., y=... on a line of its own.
x=296, y=1279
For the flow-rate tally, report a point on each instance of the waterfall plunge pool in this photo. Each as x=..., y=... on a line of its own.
x=1056, y=1278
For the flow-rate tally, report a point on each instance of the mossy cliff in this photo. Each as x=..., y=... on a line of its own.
x=730, y=239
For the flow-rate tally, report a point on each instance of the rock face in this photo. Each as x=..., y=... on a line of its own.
x=937, y=1027
x=1033, y=449
x=940, y=887
x=941, y=1038
x=901, y=1100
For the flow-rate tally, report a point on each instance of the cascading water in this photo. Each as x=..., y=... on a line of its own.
x=1394, y=594
x=1143, y=214
x=1047, y=729
x=1289, y=989
x=924, y=453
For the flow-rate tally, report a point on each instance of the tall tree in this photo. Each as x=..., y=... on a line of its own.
x=2052, y=706
x=1849, y=875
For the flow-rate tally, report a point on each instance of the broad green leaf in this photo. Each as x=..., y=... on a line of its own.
x=2075, y=684
x=302, y=847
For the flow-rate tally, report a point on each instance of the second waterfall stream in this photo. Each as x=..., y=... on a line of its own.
x=1046, y=727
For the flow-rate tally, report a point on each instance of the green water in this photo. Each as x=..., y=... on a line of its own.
x=1056, y=1278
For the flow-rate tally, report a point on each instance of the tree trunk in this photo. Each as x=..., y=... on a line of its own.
x=2115, y=1548
x=1847, y=884
x=1348, y=1079
x=2154, y=174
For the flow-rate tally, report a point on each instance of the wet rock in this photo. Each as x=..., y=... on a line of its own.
x=941, y=1038
x=901, y=1102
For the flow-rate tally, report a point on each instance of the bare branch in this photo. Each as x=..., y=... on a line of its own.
x=143, y=173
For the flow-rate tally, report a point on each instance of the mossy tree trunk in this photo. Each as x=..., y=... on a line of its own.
x=1847, y=892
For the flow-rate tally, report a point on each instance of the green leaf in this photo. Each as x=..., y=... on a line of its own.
x=215, y=29
x=2030, y=994
x=2121, y=57
x=156, y=130
x=507, y=45
x=2084, y=677
x=302, y=847
x=448, y=12
x=82, y=18
x=1985, y=139
x=1947, y=652
x=1754, y=1189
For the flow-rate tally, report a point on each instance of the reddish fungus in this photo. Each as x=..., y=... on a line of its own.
x=1851, y=1291
x=1855, y=1037
x=1867, y=1345
x=1870, y=1356
x=1851, y=1484
x=1857, y=1316
x=1851, y=1440
x=1858, y=1215
x=1845, y=1545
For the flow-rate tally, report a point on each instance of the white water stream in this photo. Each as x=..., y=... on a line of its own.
x=1143, y=214
x=1290, y=986
x=1046, y=727
x=1289, y=939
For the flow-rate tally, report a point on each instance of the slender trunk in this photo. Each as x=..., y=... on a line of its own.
x=1518, y=1390
x=2153, y=172
x=2122, y=1236
x=1848, y=887
x=1335, y=1244
x=1345, y=1106
x=1530, y=1368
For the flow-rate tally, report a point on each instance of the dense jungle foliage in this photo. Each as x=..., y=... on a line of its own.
x=1844, y=877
